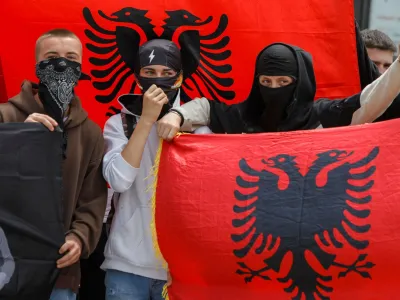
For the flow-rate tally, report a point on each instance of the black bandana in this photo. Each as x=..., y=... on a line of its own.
x=170, y=85
x=159, y=52
x=57, y=79
x=164, y=53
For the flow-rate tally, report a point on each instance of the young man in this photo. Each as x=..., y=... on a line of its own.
x=53, y=103
x=380, y=48
x=132, y=269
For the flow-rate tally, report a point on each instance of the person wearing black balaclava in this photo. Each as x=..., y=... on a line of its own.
x=132, y=269
x=52, y=102
x=282, y=99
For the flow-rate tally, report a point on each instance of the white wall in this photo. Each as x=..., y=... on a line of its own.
x=385, y=16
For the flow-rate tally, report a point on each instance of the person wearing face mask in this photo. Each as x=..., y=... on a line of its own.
x=282, y=99
x=53, y=103
x=132, y=269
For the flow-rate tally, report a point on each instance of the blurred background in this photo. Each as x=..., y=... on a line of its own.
x=383, y=15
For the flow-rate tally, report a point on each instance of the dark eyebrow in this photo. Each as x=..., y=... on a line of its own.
x=167, y=70
x=148, y=69
x=71, y=52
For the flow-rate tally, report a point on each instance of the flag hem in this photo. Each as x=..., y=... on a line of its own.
x=153, y=186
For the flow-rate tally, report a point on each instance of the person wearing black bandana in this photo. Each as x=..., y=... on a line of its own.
x=52, y=102
x=132, y=269
x=282, y=99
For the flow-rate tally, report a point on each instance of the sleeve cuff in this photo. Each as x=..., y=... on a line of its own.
x=187, y=123
x=124, y=168
x=85, y=248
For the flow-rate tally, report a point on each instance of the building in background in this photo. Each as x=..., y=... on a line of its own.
x=383, y=15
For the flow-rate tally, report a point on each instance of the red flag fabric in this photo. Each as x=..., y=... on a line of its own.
x=297, y=215
x=219, y=45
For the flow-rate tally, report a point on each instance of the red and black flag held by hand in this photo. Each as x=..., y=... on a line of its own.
x=298, y=215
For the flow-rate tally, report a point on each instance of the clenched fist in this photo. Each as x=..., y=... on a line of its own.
x=153, y=101
x=169, y=126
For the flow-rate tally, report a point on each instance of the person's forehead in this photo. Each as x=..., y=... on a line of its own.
x=61, y=44
x=380, y=55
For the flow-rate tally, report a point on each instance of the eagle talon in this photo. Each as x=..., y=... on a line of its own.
x=359, y=267
x=245, y=270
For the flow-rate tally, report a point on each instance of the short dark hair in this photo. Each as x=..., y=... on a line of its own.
x=377, y=39
x=58, y=32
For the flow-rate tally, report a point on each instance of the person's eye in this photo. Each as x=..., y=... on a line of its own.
x=72, y=57
x=52, y=56
x=284, y=82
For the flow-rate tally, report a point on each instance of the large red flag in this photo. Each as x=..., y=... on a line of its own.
x=219, y=42
x=297, y=215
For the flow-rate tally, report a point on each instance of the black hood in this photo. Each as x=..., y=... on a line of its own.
x=300, y=112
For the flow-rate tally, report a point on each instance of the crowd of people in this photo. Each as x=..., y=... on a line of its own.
x=110, y=255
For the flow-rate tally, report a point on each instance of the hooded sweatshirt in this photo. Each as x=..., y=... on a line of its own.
x=84, y=188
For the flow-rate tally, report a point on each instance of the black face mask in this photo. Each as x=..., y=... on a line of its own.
x=276, y=102
x=170, y=86
x=57, y=79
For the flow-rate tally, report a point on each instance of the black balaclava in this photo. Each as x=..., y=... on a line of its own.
x=164, y=53
x=57, y=80
x=277, y=60
x=298, y=109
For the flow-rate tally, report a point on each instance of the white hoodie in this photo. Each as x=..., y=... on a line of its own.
x=130, y=246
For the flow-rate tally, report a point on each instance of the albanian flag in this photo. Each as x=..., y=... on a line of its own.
x=219, y=41
x=297, y=215
x=31, y=227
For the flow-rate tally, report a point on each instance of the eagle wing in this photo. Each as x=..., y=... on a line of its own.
x=341, y=200
x=259, y=209
x=204, y=59
x=115, y=51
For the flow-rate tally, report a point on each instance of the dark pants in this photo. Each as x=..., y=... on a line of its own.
x=92, y=277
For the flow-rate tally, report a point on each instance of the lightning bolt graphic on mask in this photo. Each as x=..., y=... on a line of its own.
x=151, y=56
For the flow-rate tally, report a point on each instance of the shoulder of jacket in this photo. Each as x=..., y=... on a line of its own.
x=10, y=113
